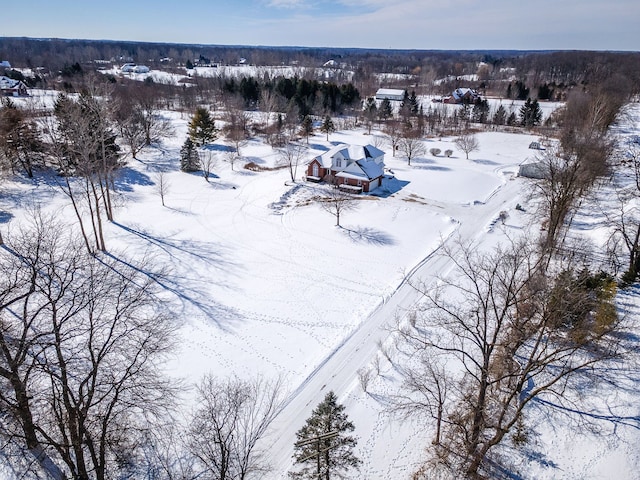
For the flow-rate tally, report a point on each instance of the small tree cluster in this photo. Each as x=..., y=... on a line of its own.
x=530, y=114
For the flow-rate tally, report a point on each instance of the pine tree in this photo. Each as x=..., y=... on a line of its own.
x=189, y=158
x=202, y=128
x=324, y=448
x=414, y=105
x=500, y=117
x=530, y=114
x=385, y=110
x=480, y=112
x=405, y=106
x=327, y=126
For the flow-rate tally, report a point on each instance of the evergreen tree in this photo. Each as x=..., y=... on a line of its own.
x=511, y=120
x=545, y=92
x=405, y=106
x=500, y=117
x=385, y=110
x=327, y=126
x=480, y=112
x=324, y=448
x=530, y=114
x=202, y=128
x=189, y=158
x=20, y=144
x=307, y=126
x=414, y=105
x=523, y=91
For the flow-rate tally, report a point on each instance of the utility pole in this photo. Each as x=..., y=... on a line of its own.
x=317, y=440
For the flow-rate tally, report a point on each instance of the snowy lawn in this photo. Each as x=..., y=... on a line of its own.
x=264, y=282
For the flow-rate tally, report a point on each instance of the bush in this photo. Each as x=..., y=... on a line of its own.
x=435, y=151
x=448, y=153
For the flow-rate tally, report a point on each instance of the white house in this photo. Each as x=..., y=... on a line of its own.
x=355, y=167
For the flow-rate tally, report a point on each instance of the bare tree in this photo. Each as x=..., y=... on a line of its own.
x=208, y=162
x=83, y=145
x=467, y=143
x=138, y=117
x=237, y=127
x=424, y=391
x=162, y=185
x=291, y=156
x=268, y=103
x=411, y=146
x=625, y=220
x=231, y=157
x=393, y=131
x=165, y=454
x=233, y=417
x=515, y=333
x=337, y=202
x=81, y=345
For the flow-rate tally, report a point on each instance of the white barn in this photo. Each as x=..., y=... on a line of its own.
x=390, y=94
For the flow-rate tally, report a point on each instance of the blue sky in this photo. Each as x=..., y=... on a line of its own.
x=412, y=24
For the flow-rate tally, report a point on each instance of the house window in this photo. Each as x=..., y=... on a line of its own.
x=338, y=163
x=359, y=183
x=315, y=170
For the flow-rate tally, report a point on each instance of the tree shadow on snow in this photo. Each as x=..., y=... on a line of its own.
x=213, y=147
x=369, y=235
x=317, y=146
x=191, y=292
x=485, y=162
x=127, y=178
x=190, y=296
x=5, y=217
x=422, y=161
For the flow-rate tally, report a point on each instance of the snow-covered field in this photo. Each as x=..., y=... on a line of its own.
x=265, y=283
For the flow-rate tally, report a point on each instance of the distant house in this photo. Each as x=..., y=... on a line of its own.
x=134, y=68
x=352, y=167
x=463, y=95
x=12, y=88
x=5, y=64
x=390, y=94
